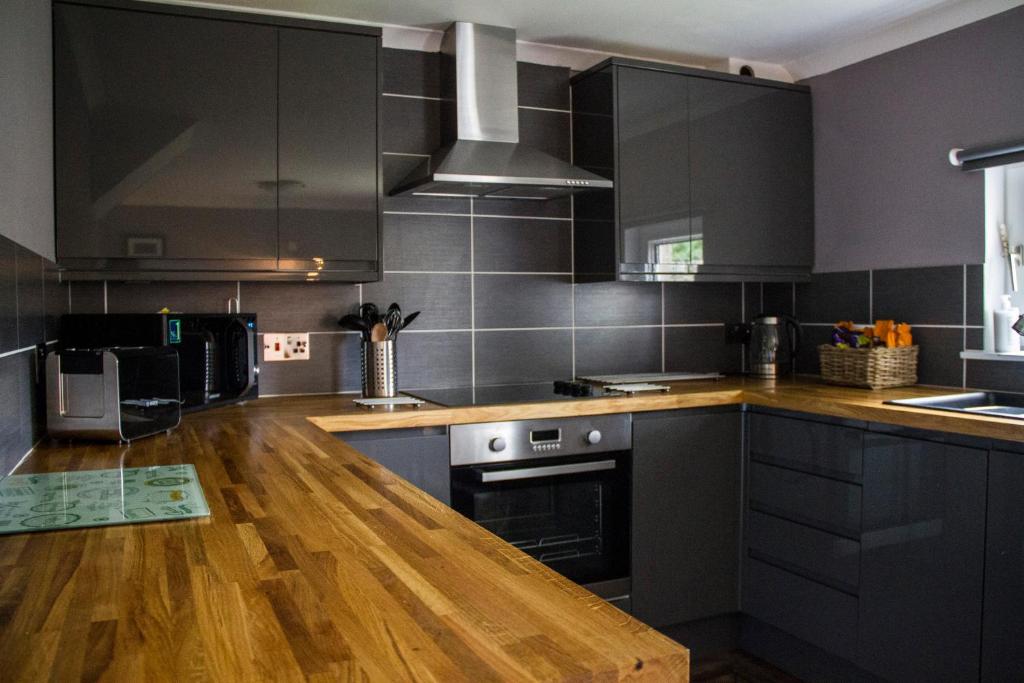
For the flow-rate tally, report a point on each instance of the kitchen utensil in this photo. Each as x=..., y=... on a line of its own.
x=354, y=323
x=379, y=332
x=393, y=320
x=408, y=320
x=369, y=313
x=774, y=342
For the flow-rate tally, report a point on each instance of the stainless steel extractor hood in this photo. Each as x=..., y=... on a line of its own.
x=482, y=155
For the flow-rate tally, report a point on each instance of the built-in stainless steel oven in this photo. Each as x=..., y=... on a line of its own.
x=558, y=489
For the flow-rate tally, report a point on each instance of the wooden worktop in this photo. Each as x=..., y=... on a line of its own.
x=315, y=563
x=318, y=563
x=802, y=394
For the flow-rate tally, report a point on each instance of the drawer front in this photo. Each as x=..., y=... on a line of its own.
x=812, y=447
x=815, y=613
x=818, y=555
x=822, y=503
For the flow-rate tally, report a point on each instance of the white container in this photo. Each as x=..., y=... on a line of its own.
x=1007, y=341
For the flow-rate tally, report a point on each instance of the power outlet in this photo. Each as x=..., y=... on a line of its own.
x=294, y=346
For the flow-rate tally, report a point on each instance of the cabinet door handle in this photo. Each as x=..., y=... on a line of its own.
x=551, y=471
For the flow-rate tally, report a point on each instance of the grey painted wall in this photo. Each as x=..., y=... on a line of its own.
x=26, y=125
x=885, y=194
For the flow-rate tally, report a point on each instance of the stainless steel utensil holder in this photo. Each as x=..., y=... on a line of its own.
x=380, y=369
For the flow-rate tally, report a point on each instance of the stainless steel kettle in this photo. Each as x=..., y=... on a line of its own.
x=773, y=344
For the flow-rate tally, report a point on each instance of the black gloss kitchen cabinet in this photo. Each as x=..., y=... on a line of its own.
x=868, y=543
x=1003, y=624
x=802, y=539
x=713, y=175
x=418, y=455
x=922, y=559
x=686, y=515
x=202, y=144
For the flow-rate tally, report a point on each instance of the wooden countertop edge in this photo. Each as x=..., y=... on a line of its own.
x=436, y=417
x=854, y=404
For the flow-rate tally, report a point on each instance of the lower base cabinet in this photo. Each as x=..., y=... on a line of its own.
x=1002, y=655
x=922, y=559
x=873, y=549
x=686, y=515
x=418, y=455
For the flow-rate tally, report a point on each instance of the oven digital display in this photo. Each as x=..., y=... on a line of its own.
x=545, y=435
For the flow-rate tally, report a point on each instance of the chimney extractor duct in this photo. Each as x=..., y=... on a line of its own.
x=482, y=155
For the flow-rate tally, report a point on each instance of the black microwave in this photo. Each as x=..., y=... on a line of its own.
x=217, y=353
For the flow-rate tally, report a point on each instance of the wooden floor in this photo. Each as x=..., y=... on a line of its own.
x=737, y=667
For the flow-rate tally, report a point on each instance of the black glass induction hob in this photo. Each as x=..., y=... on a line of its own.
x=490, y=395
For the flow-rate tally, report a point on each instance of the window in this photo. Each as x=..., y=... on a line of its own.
x=1004, y=247
x=675, y=250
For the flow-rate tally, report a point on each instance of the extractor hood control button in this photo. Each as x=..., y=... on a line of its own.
x=498, y=444
x=593, y=437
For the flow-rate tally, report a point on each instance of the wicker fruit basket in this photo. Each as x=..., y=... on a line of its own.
x=876, y=368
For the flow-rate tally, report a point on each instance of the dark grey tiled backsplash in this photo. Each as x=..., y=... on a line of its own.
x=31, y=302
x=944, y=304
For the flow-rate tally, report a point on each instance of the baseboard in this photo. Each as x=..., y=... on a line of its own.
x=797, y=657
x=706, y=637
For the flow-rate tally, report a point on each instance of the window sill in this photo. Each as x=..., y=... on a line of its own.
x=1017, y=357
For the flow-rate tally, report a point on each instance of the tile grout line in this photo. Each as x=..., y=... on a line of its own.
x=553, y=328
x=451, y=214
x=572, y=245
x=572, y=250
x=663, y=327
x=551, y=109
x=871, y=295
x=472, y=303
x=923, y=326
x=963, y=345
x=15, y=352
x=432, y=98
x=479, y=272
x=17, y=303
x=743, y=319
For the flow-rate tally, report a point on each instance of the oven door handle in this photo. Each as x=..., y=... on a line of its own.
x=549, y=471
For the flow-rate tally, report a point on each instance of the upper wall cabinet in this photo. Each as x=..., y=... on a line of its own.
x=208, y=145
x=713, y=175
x=328, y=173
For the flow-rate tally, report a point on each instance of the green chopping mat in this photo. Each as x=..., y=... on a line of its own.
x=67, y=500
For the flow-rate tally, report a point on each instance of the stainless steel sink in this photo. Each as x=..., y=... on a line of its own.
x=993, y=403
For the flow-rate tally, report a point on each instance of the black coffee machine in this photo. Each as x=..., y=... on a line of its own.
x=217, y=352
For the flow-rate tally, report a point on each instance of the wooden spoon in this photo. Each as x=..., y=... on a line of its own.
x=379, y=332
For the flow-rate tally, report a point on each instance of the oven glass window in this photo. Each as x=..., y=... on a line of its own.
x=578, y=524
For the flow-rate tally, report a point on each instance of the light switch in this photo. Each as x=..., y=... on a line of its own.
x=291, y=346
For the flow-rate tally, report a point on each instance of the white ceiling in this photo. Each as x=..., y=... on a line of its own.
x=807, y=37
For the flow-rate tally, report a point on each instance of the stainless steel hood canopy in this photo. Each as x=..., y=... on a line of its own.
x=480, y=116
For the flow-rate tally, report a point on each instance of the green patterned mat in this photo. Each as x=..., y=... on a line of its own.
x=67, y=500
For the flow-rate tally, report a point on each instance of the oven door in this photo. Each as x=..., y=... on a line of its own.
x=570, y=513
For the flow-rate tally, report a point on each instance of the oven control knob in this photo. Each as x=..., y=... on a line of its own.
x=497, y=444
x=593, y=437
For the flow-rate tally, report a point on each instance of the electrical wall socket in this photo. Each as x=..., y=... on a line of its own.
x=293, y=346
